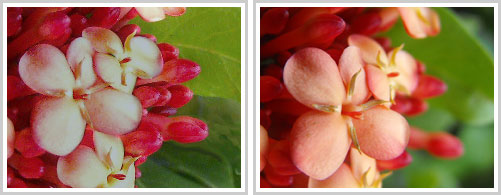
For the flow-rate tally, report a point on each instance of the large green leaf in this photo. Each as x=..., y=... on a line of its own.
x=456, y=57
x=211, y=37
x=214, y=162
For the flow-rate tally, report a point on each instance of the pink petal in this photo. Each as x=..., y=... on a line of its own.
x=44, y=69
x=319, y=143
x=312, y=77
x=420, y=22
x=369, y=49
x=360, y=164
x=57, y=125
x=349, y=64
x=382, y=133
x=342, y=178
x=406, y=66
x=378, y=83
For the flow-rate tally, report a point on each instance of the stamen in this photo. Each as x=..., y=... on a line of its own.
x=394, y=54
x=380, y=63
x=117, y=176
x=124, y=78
x=392, y=94
x=393, y=74
x=108, y=160
x=372, y=103
x=365, y=182
x=85, y=113
x=80, y=96
x=353, y=134
x=352, y=114
x=125, y=60
x=378, y=181
x=127, y=41
x=327, y=108
x=421, y=17
x=351, y=84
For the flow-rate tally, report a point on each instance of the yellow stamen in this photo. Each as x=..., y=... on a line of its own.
x=351, y=85
x=127, y=41
x=353, y=134
x=327, y=108
x=394, y=54
x=421, y=16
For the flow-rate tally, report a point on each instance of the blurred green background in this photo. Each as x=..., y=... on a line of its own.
x=210, y=37
x=462, y=56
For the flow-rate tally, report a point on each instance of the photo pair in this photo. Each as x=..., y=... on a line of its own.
x=249, y=97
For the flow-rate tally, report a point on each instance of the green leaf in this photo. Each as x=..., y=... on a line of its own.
x=211, y=37
x=214, y=162
x=456, y=57
x=442, y=120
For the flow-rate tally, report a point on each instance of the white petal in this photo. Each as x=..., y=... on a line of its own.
x=130, y=177
x=151, y=14
x=11, y=136
x=108, y=68
x=44, y=69
x=79, y=55
x=145, y=56
x=57, y=124
x=114, y=112
x=109, y=148
x=104, y=40
x=82, y=169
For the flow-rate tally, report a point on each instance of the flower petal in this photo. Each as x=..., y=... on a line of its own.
x=383, y=133
x=342, y=178
x=369, y=48
x=420, y=22
x=151, y=14
x=108, y=68
x=378, y=83
x=312, y=77
x=104, y=41
x=57, y=125
x=319, y=143
x=44, y=69
x=79, y=56
x=406, y=66
x=113, y=112
x=109, y=148
x=361, y=165
x=11, y=136
x=174, y=11
x=145, y=56
x=130, y=177
x=82, y=169
x=349, y=64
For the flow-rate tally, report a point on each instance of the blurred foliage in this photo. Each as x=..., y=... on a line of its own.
x=461, y=55
x=211, y=37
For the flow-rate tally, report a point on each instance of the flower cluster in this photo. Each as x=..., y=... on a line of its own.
x=333, y=96
x=90, y=98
